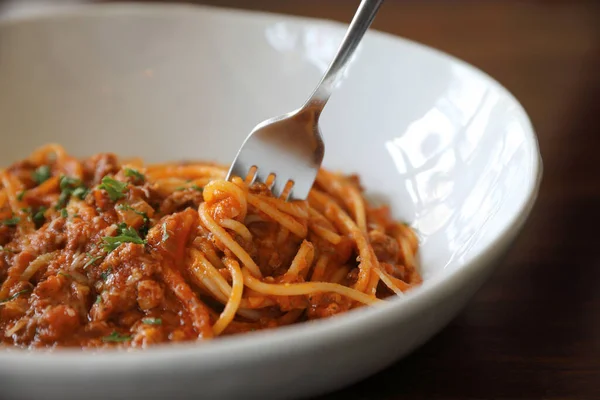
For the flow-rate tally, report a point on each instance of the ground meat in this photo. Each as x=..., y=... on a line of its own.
x=78, y=233
x=150, y=294
x=117, y=280
x=260, y=188
x=180, y=200
x=385, y=247
x=56, y=322
x=50, y=239
x=397, y=271
x=272, y=258
x=325, y=305
x=352, y=276
x=60, y=290
x=148, y=335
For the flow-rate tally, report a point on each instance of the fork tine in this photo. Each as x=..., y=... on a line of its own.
x=270, y=181
x=301, y=189
x=254, y=171
x=278, y=186
x=287, y=191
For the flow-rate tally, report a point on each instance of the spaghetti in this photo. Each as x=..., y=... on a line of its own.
x=100, y=252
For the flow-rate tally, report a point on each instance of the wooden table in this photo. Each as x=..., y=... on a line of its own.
x=533, y=331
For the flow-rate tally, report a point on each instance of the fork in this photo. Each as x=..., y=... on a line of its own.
x=286, y=152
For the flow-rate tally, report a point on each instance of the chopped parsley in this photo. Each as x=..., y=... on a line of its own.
x=20, y=195
x=38, y=217
x=11, y=221
x=91, y=261
x=105, y=274
x=165, y=235
x=113, y=187
x=70, y=187
x=125, y=234
x=14, y=296
x=65, y=275
x=80, y=192
x=152, y=321
x=41, y=174
x=64, y=213
x=98, y=299
x=198, y=188
x=67, y=182
x=116, y=337
x=135, y=174
x=4, y=249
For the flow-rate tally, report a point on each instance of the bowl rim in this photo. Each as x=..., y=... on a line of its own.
x=238, y=348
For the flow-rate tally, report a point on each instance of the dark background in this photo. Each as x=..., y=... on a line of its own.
x=533, y=331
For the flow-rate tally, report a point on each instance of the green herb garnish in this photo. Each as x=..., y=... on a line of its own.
x=80, y=192
x=38, y=217
x=135, y=174
x=116, y=337
x=91, y=261
x=67, y=182
x=20, y=195
x=4, y=249
x=152, y=321
x=105, y=274
x=70, y=187
x=11, y=221
x=98, y=299
x=64, y=213
x=65, y=275
x=125, y=234
x=41, y=174
x=14, y=296
x=113, y=187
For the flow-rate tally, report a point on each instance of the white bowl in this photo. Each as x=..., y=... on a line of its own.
x=446, y=145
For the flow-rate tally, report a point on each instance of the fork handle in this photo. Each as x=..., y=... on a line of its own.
x=360, y=24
